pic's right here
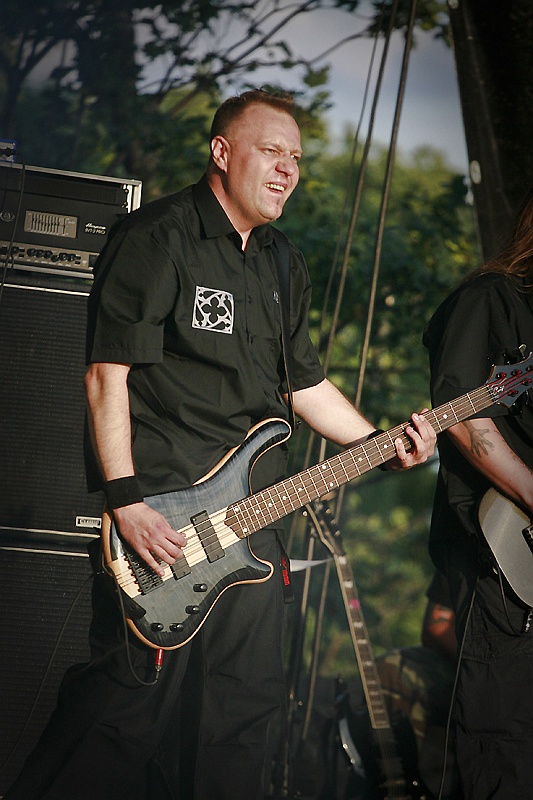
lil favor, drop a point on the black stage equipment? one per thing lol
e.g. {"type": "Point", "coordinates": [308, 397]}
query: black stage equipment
{"type": "Point", "coordinates": [53, 224]}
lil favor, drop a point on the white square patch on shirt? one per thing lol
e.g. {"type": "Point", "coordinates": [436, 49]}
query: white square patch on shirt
{"type": "Point", "coordinates": [213, 310]}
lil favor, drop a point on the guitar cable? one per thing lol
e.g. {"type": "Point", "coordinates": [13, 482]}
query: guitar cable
{"type": "Point", "coordinates": [452, 698]}
{"type": "Point", "coordinates": [159, 654]}
{"type": "Point", "coordinates": [104, 570]}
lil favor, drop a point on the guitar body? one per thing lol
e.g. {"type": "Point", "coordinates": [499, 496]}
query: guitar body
{"type": "Point", "coordinates": [507, 530]}
{"type": "Point", "coordinates": [167, 612]}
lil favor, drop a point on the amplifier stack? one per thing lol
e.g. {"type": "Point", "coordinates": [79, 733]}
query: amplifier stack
{"type": "Point", "coordinates": [53, 224]}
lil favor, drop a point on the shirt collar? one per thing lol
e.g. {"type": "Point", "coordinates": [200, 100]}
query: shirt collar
{"type": "Point", "coordinates": [214, 219]}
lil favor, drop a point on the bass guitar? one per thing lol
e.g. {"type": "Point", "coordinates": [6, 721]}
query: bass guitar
{"type": "Point", "coordinates": [218, 515]}
{"type": "Point", "coordinates": [392, 775]}
{"type": "Point", "coordinates": [508, 531]}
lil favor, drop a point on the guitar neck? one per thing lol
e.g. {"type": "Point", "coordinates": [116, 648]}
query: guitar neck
{"type": "Point", "coordinates": [383, 733]}
{"type": "Point", "coordinates": [271, 504]}
{"type": "Point", "coordinates": [379, 718]}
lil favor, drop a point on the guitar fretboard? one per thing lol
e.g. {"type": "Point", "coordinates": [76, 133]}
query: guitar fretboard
{"type": "Point", "coordinates": [258, 510]}
{"type": "Point", "coordinates": [379, 717]}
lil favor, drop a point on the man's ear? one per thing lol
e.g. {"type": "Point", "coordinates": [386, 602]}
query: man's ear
{"type": "Point", "coordinates": [219, 152]}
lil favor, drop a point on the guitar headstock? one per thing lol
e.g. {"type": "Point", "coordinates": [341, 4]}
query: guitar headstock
{"type": "Point", "coordinates": [508, 382]}
{"type": "Point", "coordinates": [326, 526]}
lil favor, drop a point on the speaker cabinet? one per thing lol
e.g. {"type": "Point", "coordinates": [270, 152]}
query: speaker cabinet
{"type": "Point", "coordinates": [44, 622]}
{"type": "Point", "coordinates": [42, 410]}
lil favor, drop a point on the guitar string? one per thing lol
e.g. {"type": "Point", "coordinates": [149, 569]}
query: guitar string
{"type": "Point", "coordinates": [196, 549]}
{"type": "Point", "coordinates": [251, 522]}
{"type": "Point", "coordinates": [295, 491]}
{"type": "Point", "coordinates": [327, 478]}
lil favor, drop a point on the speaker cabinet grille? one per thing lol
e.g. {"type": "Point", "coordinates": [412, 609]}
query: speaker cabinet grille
{"type": "Point", "coordinates": [42, 410]}
{"type": "Point", "coordinates": [44, 618]}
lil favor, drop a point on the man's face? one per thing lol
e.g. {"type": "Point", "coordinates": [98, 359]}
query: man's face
{"type": "Point", "coordinates": [260, 161]}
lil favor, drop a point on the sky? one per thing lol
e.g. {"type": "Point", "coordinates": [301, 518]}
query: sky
{"type": "Point", "coordinates": [431, 113]}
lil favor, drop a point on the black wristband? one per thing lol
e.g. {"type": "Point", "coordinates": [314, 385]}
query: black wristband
{"type": "Point", "coordinates": [377, 432]}
{"type": "Point", "coordinates": [123, 492]}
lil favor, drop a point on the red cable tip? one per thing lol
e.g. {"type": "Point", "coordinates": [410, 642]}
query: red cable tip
{"type": "Point", "coordinates": [159, 659]}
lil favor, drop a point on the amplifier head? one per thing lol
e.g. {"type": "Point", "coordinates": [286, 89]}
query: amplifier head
{"type": "Point", "coordinates": [57, 222]}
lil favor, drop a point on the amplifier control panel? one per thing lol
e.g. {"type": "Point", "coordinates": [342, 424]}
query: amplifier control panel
{"type": "Point", "coordinates": [45, 259]}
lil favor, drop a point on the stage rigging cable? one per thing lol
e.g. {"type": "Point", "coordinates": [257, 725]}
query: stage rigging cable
{"type": "Point", "coordinates": [298, 637]}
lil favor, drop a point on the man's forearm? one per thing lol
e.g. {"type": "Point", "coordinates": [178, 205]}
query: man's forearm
{"type": "Point", "coordinates": [328, 412]}
{"type": "Point", "coordinates": [109, 418]}
{"type": "Point", "coordinates": [482, 444]}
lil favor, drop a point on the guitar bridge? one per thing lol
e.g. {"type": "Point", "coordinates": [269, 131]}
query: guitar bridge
{"type": "Point", "coordinates": [147, 579]}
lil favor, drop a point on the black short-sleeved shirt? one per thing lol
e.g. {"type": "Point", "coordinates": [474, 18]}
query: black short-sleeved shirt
{"type": "Point", "coordinates": [199, 321]}
{"type": "Point", "coordinates": [481, 324]}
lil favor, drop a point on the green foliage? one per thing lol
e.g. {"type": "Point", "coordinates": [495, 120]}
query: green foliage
{"type": "Point", "coordinates": [429, 245]}
{"type": "Point", "coordinates": [384, 522]}
{"type": "Point", "coordinates": [430, 15]}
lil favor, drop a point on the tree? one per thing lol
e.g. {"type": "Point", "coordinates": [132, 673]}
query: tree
{"type": "Point", "coordinates": [102, 87]}
{"type": "Point", "coordinates": [429, 245]}
{"type": "Point", "coordinates": [119, 62]}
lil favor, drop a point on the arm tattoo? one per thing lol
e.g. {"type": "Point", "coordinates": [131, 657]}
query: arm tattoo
{"type": "Point", "coordinates": [480, 444]}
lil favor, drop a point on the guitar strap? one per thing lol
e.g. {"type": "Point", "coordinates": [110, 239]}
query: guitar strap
{"type": "Point", "coordinates": [281, 254]}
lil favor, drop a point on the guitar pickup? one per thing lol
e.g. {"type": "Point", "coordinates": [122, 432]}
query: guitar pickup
{"type": "Point", "coordinates": [208, 537]}
{"type": "Point", "coordinates": [180, 568]}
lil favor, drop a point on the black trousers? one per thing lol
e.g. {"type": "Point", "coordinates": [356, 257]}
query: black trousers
{"type": "Point", "coordinates": [494, 705]}
{"type": "Point", "coordinates": [199, 733]}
